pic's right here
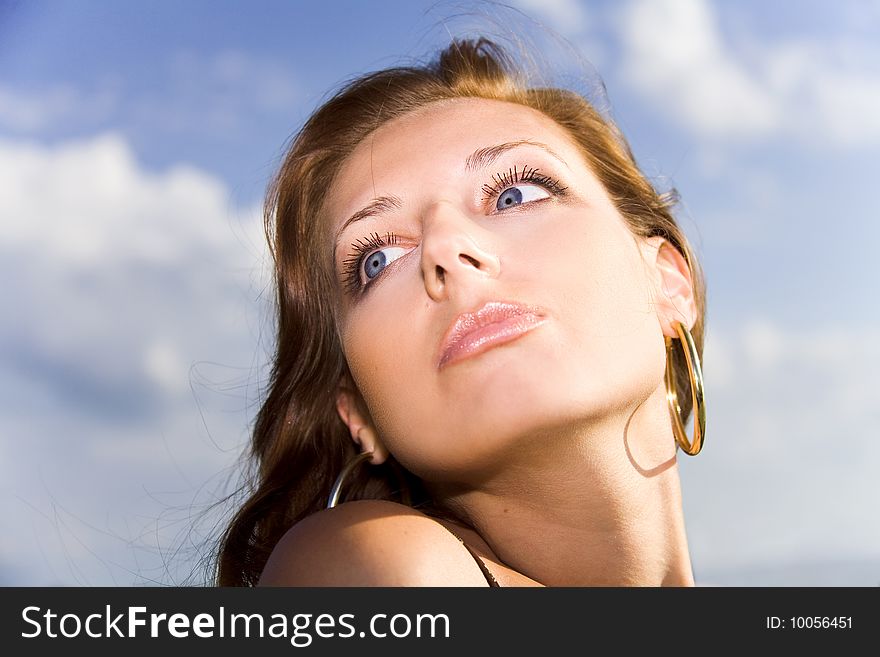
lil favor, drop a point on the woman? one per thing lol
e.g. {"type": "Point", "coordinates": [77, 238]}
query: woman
{"type": "Point", "coordinates": [480, 298]}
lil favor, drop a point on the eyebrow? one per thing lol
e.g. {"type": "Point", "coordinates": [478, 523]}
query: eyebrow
{"type": "Point", "coordinates": [375, 207]}
{"type": "Point", "coordinates": [483, 157]}
{"type": "Point", "coordinates": [476, 161]}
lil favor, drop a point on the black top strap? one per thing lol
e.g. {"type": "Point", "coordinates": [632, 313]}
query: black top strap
{"type": "Point", "coordinates": [488, 575]}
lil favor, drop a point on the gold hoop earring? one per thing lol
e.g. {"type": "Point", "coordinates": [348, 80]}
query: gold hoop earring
{"type": "Point", "coordinates": [695, 374]}
{"type": "Point", "coordinates": [337, 485]}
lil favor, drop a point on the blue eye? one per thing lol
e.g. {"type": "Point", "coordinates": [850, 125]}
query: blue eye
{"type": "Point", "coordinates": [376, 261]}
{"type": "Point", "coordinates": [519, 194]}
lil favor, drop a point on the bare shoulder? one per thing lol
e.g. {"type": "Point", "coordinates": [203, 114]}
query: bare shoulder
{"type": "Point", "coordinates": [370, 543]}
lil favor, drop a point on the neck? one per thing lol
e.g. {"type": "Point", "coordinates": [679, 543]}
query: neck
{"type": "Point", "coordinates": [601, 507]}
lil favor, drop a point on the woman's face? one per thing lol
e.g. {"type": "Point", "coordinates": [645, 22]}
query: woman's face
{"type": "Point", "coordinates": [473, 202]}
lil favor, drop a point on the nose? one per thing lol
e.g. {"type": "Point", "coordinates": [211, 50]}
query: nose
{"type": "Point", "coordinates": [450, 255]}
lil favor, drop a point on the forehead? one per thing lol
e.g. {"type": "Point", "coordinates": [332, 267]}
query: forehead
{"type": "Point", "coordinates": [436, 138]}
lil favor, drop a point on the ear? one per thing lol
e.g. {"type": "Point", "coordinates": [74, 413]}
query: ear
{"type": "Point", "coordinates": [353, 411]}
{"type": "Point", "coordinates": [674, 298]}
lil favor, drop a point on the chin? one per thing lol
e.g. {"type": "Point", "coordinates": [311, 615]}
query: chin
{"type": "Point", "coordinates": [512, 382]}
{"type": "Point", "coordinates": [552, 388]}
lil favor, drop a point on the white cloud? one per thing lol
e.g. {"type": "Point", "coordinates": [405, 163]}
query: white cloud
{"type": "Point", "coordinates": [165, 365]}
{"type": "Point", "coordinates": [103, 206]}
{"type": "Point", "coordinates": [674, 53]}
{"type": "Point", "coordinates": [209, 93]}
{"type": "Point", "coordinates": [222, 92]}
{"type": "Point", "coordinates": [129, 357]}
{"type": "Point", "coordinates": [567, 16]}
{"type": "Point", "coordinates": [271, 85]}
{"type": "Point", "coordinates": [787, 471]}
{"type": "Point", "coordinates": [821, 91]}
{"type": "Point", "coordinates": [540, 42]}
{"type": "Point", "coordinates": [32, 112]}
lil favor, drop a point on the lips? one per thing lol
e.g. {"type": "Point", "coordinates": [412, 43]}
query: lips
{"type": "Point", "coordinates": [494, 324]}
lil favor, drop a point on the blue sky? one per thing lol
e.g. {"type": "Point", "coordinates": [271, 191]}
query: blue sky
{"type": "Point", "coordinates": [135, 144]}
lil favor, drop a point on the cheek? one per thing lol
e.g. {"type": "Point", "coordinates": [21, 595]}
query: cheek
{"type": "Point", "coordinates": [385, 355]}
{"type": "Point", "coordinates": [370, 349]}
{"type": "Point", "coordinates": [588, 271]}
{"type": "Point", "coordinates": [598, 265]}
{"type": "Point", "coordinates": [600, 287]}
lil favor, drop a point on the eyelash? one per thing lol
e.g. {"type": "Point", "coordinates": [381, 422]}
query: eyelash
{"type": "Point", "coordinates": [528, 174]}
{"type": "Point", "coordinates": [351, 266]}
{"type": "Point", "coordinates": [500, 182]}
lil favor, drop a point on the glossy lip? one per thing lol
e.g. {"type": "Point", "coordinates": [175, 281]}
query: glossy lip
{"type": "Point", "coordinates": [495, 323]}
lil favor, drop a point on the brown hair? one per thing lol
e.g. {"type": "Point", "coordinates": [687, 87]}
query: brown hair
{"type": "Point", "coordinates": [299, 442]}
